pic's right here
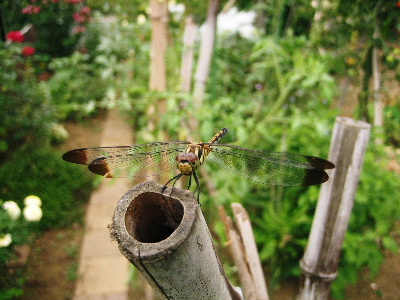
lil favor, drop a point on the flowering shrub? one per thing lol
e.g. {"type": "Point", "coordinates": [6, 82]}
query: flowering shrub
{"type": "Point", "coordinates": [57, 24]}
{"type": "Point", "coordinates": [26, 112]}
{"type": "Point", "coordinates": [18, 37]}
{"type": "Point", "coordinates": [15, 230]}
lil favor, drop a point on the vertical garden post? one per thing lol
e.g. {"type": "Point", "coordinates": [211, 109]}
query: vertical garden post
{"type": "Point", "coordinates": [320, 261]}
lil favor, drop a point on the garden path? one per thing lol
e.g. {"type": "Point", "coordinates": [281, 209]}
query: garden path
{"type": "Point", "coordinates": [103, 270]}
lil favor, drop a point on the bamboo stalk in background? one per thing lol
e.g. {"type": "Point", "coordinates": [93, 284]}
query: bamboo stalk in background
{"type": "Point", "coordinates": [189, 37]}
{"type": "Point", "coordinates": [245, 254]}
{"type": "Point", "coordinates": [206, 51]}
{"type": "Point", "coordinates": [158, 70]}
{"type": "Point", "coordinates": [321, 258]}
{"type": "Point", "coordinates": [376, 76]}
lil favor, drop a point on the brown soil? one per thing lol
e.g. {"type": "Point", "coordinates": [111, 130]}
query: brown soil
{"type": "Point", "coordinates": [54, 256]}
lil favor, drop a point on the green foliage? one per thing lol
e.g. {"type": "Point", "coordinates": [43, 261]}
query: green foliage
{"type": "Point", "coordinates": [26, 113]}
{"type": "Point", "coordinates": [291, 74]}
{"type": "Point", "coordinates": [392, 124]}
{"type": "Point", "coordinates": [76, 87]}
{"type": "Point", "coordinates": [63, 187]}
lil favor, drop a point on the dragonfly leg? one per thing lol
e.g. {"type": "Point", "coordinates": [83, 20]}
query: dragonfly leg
{"type": "Point", "coordinates": [175, 179]}
{"type": "Point", "coordinates": [190, 182]}
{"type": "Point", "coordinates": [197, 186]}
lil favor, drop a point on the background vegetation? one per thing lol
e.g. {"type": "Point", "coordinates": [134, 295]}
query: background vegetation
{"type": "Point", "coordinates": [278, 90]}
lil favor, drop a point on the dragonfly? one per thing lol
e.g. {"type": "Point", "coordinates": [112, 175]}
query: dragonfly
{"type": "Point", "coordinates": [272, 168]}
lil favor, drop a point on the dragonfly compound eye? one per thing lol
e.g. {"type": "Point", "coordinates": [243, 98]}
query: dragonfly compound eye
{"type": "Point", "coordinates": [189, 157]}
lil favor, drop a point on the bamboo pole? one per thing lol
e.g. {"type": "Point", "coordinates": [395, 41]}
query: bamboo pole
{"type": "Point", "coordinates": [377, 83]}
{"type": "Point", "coordinates": [321, 258]}
{"type": "Point", "coordinates": [189, 37]}
{"type": "Point", "coordinates": [206, 50]}
{"type": "Point", "coordinates": [165, 236]}
{"type": "Point", "coordinates": [245, 254]}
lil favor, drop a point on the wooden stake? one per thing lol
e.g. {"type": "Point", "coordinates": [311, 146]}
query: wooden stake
{"type": "Point", "coordinates": [320, 261]}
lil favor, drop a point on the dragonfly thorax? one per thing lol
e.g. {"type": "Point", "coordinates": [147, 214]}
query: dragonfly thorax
{"type": "Point", "coordinates": [187, 162]}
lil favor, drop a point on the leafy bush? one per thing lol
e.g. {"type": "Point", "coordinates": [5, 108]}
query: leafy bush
{"type": "Point", "coordinates": [76, 87]}
{"type": "Point", "coordinates": [392, 124]}
{"type": "Point", "coordinates": [26, 113]}
{"type": "Point", "coordinates": [62, 187]}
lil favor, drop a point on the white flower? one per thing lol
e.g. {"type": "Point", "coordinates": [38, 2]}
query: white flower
{"type": "Point", "coordinates": [32, 213]}
{"type": "Point", "coordinates": [5, 240]}
{"type": "Point", "coordinates": [141, 19]}
{"type": "Point", "coordinates": [12, 208]}
{"type": "Point", "coordinates": [32, 200]}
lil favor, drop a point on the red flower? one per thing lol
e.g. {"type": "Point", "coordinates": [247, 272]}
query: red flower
{"type": "Point", "coordinates": [30, 9]}
{"type": "Point", "coordinates": [398, 4]}
{"type": "Point", "coordinates": [73, 1]}
{"type": "Point", "coordinates": [15, 36]}
{"type": "Point", "coordinates": [28, 51]}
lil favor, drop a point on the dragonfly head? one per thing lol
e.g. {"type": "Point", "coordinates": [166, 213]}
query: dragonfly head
{"type": "Point", "coordinates": [187, 162]}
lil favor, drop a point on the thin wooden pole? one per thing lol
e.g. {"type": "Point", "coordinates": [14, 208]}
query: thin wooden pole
{"type": "Point", "coordinates": [206, 50]}
{"type": "Point", "coordinates": [189, 38]}
{"type": "Point", "coordinates": [321, 258]}
{"type": "Point", "coordinates": [245, 229]}
{"type": "Point", "coordinates": [166, 237]}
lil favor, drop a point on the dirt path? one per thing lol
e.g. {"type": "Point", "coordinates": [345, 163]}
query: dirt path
{"type": "Point", "coordinates": [103, 271]}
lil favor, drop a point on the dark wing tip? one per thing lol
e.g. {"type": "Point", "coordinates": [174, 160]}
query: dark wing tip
{"type": "Point", "coordinates": [315, 177]}
{"type": "Point", "coordinates": [77, 156]}
{"type": "Point", "coordinates": [329, 165]}
{"type": "Point", "coordinates": [100, 166]}
{"type": "Point", "coordinates": [320, 163]}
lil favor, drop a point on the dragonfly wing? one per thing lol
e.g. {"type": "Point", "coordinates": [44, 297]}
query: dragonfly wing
{"type": "Point", "coordinates": [128, 161]}
{"type": "Point", "coordinates": [272, 168]}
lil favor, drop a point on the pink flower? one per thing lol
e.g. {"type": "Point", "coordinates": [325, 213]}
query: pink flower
{"type": "Point", "coordinates": [15, 36]}
{"type": "Point", "coordinates": [85, 10]}
{"type": "Point", "coordinates": [31, 9]}
{"type": "Point", "coordinates": [73, 1]}
{"type": "Point", "coordinates": [28, 51]}
{"type": "Point", "coordinates": [79, 29]}
{"type": "Point", "coordinates": [79, 18]}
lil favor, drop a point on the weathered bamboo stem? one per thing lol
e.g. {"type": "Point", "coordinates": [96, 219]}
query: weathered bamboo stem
{"type": "Point", "coordinates": [245, 229]}
{"type": "Point", "coordinates": [206, 50]}
{"type": "Point", "coordinates": [244, 251]}
{"type": "Point", "coordinates": [165, 236]}
{"type": "Point", "coordinates": [189, 37]}
{"type": "Point", "coordinates": [321, 258]}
